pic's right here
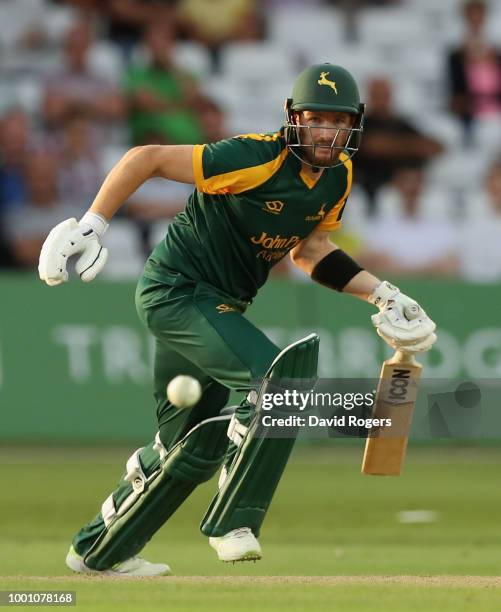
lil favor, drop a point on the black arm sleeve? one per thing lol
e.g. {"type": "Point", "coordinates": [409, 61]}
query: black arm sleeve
{"type": "Point", "coordinates": [335, 270]}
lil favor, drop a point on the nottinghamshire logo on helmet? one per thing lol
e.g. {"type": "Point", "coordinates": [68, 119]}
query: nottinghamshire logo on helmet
{"type": "Point", "coordinates": [323, 80]}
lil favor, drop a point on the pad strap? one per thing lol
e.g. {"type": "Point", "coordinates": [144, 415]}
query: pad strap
{"type": "Point", "coordinates": [96, 221]}
{"type": "Point", "coordinates": [108, 510]}
{"type": "Point", "coordinates": [135, 474]}
{"type": "Point", "coordinates": [160, 448]}
{"type": "Point", "coordinates": [236, 431]}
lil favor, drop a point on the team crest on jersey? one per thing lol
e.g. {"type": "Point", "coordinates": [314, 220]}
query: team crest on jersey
{"type": "Point", "coordinates": [274, 207]}
{"type": "Point", "coordinates": [323, 80]}
{"type": "Point", "coordinates": [319, 216]}
{"type": "Point", "coordinates": [225, 308]}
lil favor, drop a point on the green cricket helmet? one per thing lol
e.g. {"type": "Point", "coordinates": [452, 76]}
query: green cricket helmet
{"type": "Point", "coordinates": [323, 87]}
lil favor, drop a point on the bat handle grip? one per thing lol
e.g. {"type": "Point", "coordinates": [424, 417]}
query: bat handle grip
{"type": "Point", "coordinates": [402, 356]}
{"type": "Point", "coordinates": [411, 312]}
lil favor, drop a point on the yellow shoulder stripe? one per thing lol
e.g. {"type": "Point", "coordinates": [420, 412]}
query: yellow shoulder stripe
{"type": "Point", "coordinates": [331, 221]}
{"type": "Point", "coordinates": [237, 180]}
{"type": "Point", "coordinates": [266, 137]}
{"type": "Point", "coordinates": [198, 174]}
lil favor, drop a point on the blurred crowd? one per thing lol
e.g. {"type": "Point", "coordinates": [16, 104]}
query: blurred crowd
{"type": "Point", "coordinates": [83, 80]}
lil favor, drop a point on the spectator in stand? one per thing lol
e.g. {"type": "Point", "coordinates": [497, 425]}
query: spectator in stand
{"type": "Point", "coordinates": [27, 226]}
{"type": "Point", "coordinates": [389, 142]}
{"type": "Point", "coordinates": [80, 173]}
{"type": "Point", "coordinates": [212, 120]}
{"type": "Point", "coordinates": [26, 28]}
{"type": "Point", "coordinates": [163, 100]}
{"type": "Point", "coordinates": [14, 143]}
{"type": "Point", "coordinates": [76, 89]}
{"type": "Point", "coordinates": [213, 23]}
{"type": "Point", "coordinates": [410, 242]}
{"type": "Point", "coordinates": [480, 253]}
{"type": "Point", "coordinates": [352, 8]}
{"type": "Point", "coordinates": [474, 71]}
{"type": "Point", "coordinates": [125, 20]}
{"type": "Point", "coordinates": [128, 18]}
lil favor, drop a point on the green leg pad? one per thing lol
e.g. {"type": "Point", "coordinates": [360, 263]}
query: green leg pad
{"type": "Point", "coordinates": [133, 519]}
{"type": "Point", "coordinates": [246, 493]}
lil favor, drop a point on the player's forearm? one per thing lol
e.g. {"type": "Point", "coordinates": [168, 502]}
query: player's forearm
{"type": "Point", "coordinates": [329, 265]}
{"type": "Point", "coordinates": [362, 285]}
{"type": "Point", "coordinates": [135, 167]}
{"type": "Point", "coordinates": [310, 253]}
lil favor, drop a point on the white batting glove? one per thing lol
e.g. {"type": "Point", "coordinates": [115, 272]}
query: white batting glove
{"type": "Point", "coordinates": [401, 321]}
{"type": "Point", "coordinates": [69, 238]}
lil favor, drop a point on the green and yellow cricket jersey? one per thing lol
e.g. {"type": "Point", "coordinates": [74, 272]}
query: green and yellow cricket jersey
{"type": "Point", "coordinates": [252, 205]}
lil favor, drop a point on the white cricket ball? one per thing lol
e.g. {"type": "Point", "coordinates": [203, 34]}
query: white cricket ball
{"type": "Point", "coordinates": [184, 391]}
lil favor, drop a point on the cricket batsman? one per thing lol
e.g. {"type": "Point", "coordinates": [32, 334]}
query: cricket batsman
{"type": "Point", "coordinates": [257, 199]}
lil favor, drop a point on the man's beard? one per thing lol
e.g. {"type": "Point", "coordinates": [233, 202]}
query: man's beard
{"type": "Point", "coordinates": [330, 156]}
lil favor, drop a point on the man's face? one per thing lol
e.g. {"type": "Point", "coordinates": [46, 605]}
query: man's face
{"type": "Point", "coordinates": [326, 129]}
{"type": "Point", "coordinates": [159, 40]}
{"type": "Point", "coordinates": [77, 44]}
{"type": "Point", "coordinates": [380, 96]}
{"type": "Point", "coordinates": [475, 14]}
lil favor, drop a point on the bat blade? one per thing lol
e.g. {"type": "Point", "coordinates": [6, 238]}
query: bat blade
{"type": "Point", "coordinates": [385, 447]}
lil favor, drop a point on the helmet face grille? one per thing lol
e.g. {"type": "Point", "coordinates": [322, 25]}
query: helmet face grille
{"type": "Point", "coordinates": [323, 87]}
{"type": "Point", "coordinates": [344, 140]}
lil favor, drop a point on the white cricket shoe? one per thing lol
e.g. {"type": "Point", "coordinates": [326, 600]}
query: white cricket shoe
{"type": "Point", "coordinates": [135, 566]}
{"type": "Point", "coordinates": [237, 545]}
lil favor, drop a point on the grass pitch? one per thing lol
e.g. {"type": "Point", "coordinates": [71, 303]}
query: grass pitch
{"type": "Point", "coordinates": [332, 539]}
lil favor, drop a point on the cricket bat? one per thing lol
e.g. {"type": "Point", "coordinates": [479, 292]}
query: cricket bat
{"type": "Point", "coordinates": [395, 398]}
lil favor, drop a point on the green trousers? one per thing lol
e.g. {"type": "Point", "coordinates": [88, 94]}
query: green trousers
{"type": "Point", "coordinates": [199, 331]}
